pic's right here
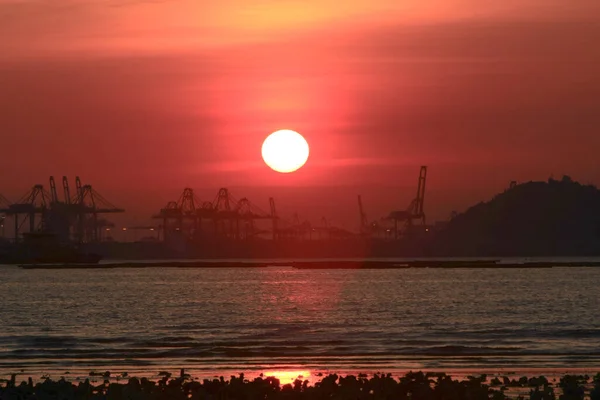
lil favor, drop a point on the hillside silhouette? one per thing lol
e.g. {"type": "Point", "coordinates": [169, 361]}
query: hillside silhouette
{"type": "Point", "coordinates": [553, 218]}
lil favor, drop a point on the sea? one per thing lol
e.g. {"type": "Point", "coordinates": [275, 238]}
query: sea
{"type": "Point", "coordinates": [290, 322]}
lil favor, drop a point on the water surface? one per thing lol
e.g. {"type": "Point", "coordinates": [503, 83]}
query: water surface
{"type": "Point", "coordinates": [238, 320]}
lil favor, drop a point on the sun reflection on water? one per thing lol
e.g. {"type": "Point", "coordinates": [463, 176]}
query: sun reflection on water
{"type": "Point", "coordinates": [288, 376]}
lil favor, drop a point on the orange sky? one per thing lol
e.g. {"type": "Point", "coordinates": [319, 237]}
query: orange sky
{"type": "Point", "coordinates": [141, 98]}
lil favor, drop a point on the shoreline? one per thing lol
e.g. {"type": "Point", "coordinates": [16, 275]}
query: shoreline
{"type": "Point", "coordinates": [323, 264]}
{"type": "Point", "coordinates": [285, 374]}
{"type": "Point", "coordinates": [418, 384]}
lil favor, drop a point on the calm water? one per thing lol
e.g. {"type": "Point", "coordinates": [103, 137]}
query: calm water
{"type": "Point", "coordinates": [242, 320]}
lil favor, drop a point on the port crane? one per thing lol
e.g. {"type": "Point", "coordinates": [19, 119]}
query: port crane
{"type": "Point", "coordinates": [366, 228]}
{"type": "Point", "coordinates": [89, 204]}
{"type": "Point", "coordinates": [294, 228]}
{"type": "Point", "coordinates": [230, 218]}
{"type": "Point", "coordinates": [235, 219]}
{"type": "Point", "coordinates": [274, 217]}
{"type": "Point", "coordinates": [43, 211]}
{"type": "Point", "coordinates": [364, 223]}
{"type": "Point", "coordinates": [184, 215]}
{"type": "Point", "coordinates": [247, 213]}
{"type": "Point", "coordinates": [4, 203]}
{"type": "Point", "coordinates": [26, 210]}
{"type": "Point", "coordinates": [4, 207]}
{"type": "Point", "coordinates": [415, 210]}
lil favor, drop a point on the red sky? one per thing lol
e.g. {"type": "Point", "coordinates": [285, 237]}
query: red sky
{"type": "Point", "coordinates": [142, 98]}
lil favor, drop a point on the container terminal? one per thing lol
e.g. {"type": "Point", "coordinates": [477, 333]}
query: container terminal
{"type": "Point", "coordinates": [76, 227]}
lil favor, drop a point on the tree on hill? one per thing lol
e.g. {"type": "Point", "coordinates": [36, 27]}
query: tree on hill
{"type": "Point", "coordinates": [530, 219]}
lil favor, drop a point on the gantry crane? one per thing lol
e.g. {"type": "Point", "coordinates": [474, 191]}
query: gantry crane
{"type": "Point", "coordinates": [46, 213]}
{"type": "Point", "coordinates": [230, 218]}
{"type": "Point", "coordinates": [88, 204]}
{"type": "Point", "coordinates": [247, 213]}
{"type": "Point", "coordinates": [224, 216]}
{"type": "Point", "coordinates": [73, 215]}
{"type": "Point", "coordinates": [274, 217]}
{"type": "Point", "coordinates": [294, 228]}
{"type": "Point", "coordinates": [61, 215]}
{"type": "Point", "coordinates": [183, 216]}
{"type": "Point", "coordinates": [366, 228]}
{"type": "Point", "coordinates": [4, 208]}
{"type": "Point", "coordinates": [363, 222]}
{"type": "Point", "coordinates": [32, 204]}
{"type": "Point", "coordinates": [415, 211]}
{"type": "Point", "coordinates": [229, 213]}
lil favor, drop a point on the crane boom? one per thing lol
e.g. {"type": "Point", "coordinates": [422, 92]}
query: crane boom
{"type": "Point", "coordinates": [53, 195]}
{"type": "Point", "coordinates": [420, 199]}
{"type": "Point", "coordinates": [362, 215]}
{"type": "Point", "coordinates": [66, 190]}
{"type": "Point", "coordinates": [78, 189]}
{"type": "Point", "coordinates": [273, 216]}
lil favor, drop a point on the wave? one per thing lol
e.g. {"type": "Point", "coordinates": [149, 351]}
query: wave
{"type": "Point", "coordinates": [412, 317]}
{"type": "Point", "coordinates": [295, 350]}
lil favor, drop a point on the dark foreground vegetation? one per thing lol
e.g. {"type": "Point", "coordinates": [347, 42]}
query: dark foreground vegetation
{"type": "Point", "coordinates": [414, 386]}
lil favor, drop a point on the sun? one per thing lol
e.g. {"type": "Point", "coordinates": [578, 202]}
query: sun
{"type": "Point", "coordinates": [285, 151]}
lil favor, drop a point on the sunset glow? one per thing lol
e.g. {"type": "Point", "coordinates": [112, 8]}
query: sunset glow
{"type": "Point", "coordinates": [479, 94]}
{"type": "Point", "coordinates": [299, 200]}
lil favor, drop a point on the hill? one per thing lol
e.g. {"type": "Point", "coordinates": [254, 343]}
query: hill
{"type": "Point", "coordinates": [554, 218]}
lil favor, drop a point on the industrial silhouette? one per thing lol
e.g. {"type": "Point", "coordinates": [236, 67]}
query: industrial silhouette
{"type": "Point", "coordinates": [536, 218]}
{"type": "Point", "coordinates": [75, 217]}
{"type": "Point", "coordinates": [78, 218]}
